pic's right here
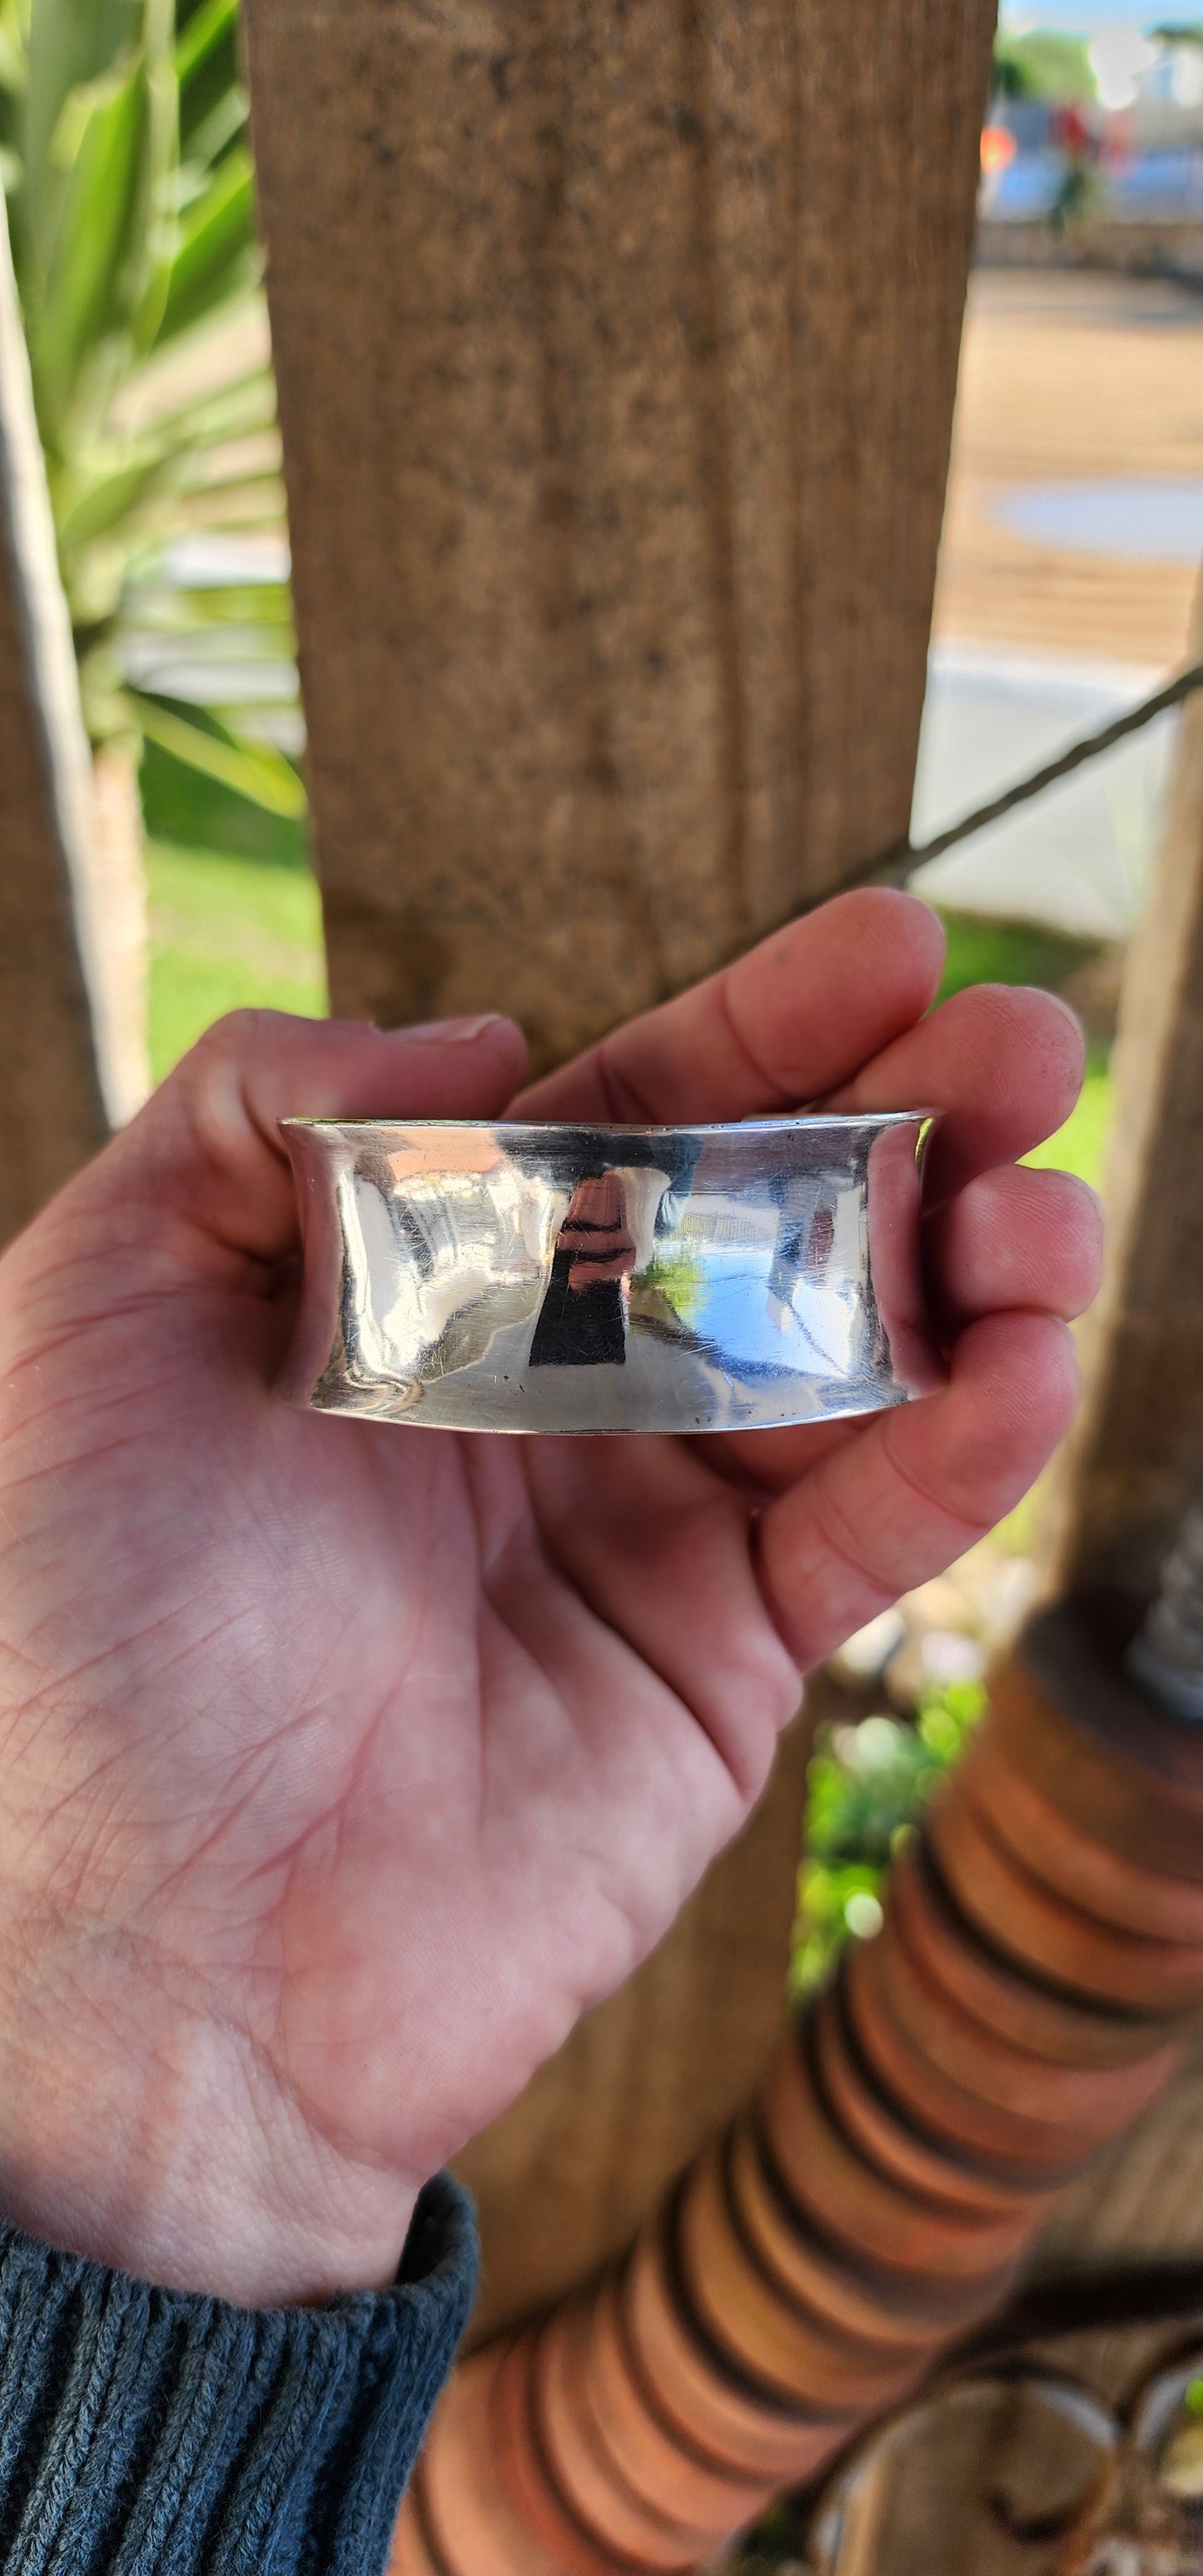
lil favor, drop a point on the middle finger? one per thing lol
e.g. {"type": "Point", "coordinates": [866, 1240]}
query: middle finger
{"type": "Point", "coordinates": [1016, 1239]}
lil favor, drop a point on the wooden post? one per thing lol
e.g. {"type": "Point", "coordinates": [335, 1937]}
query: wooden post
{"type": "Point", "coordinates": [616, 349]}
{"type": "Point", "coordinates": [1136, 1459]}
{"type": "Point", "coordinates": [56, 1042]}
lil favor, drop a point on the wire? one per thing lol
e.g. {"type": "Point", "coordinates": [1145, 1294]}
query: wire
{"type": "Point", "coordinates": [894, 865]}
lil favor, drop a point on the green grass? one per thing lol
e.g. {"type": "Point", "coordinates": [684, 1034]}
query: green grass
{"type": "Point", "coordinates": [234, 912]}
{"type": "Point", "coordinates": [981, 951]}
{"type": "Point", "coordinates": [226, 932]}
{"type": "Point", "coordinates": [1081, 1145]}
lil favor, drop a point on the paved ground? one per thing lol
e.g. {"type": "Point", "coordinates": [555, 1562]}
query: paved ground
{"type": "Point", "coordinates": [1081, 409]}
{"type": "Point", "coordinates": [1078, 858]}
{"type": "Point", "coordinates": [1067, 376]}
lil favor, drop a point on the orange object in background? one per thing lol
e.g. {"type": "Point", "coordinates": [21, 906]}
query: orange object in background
{"type": "Point", "coordinates": [998, 150]}
{"type": "Point", "coordinates": [1040, 1960]}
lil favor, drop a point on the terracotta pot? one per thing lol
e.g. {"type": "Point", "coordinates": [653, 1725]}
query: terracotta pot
{"type": "Point", "coordinates": [657, 2460]}
{"type": "Point", "coordinates": [583, 2471]}
{"type": "Point", "coordinates": [410, 2555]}
{"type": "Point", "coordinates": [1064, 2108]}
{"type": "Point", "coordinates": [1015, 2011]}
{"type": "Point", "coordinates": [881, 2129]}
{"type": "Point", "coordinates": [1069, 1858]}
{"type": "Point", "coordinates": [711, 2399]}
{"type": "Point", "coordinates": [773, 2333]}
{"type": "Point", "coordinates": [1040, 2157]}
{"type": "Point", "coordinates": [1095, 1747]}
{"type": "Point", "coordinates": [1000, 1992]}
{"type": "Point", "coordinates": [569, 2546]}
{"type": "Point", "coordinates": [460, 2498]}
{"type": "Point", "coordinates": [854, 2201]}
{"type": "Point", "coordinates": [993, 1886]}
{"type": "Point", "coordinates": [863, 2310]}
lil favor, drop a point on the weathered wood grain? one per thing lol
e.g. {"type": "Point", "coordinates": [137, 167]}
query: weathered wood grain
{"type": "Point", "coordinates": [616, 350]}
{"type": "Point", "coordinates": [1136, 1458]}
{"type": "Point", "coordinates": [50, 1071]}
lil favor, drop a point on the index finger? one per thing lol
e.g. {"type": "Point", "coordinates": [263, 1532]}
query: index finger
{"type": "Point", "coordinates": [795, 1017]}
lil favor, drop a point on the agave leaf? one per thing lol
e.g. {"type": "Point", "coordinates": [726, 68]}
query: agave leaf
{"type": "Point", "coordinates": [218, 253]}
{"type": "Point", "coordinates": [242, 508]}
{"type": "Point", "coordinates": [265, 605]}
{"type": "Point", "coordinates": [69, 45]}
{"type": "Point", "coordinates": [136, 222]}
{"type": "Point", "coordinates": [221, 656]}
{"type": "Point", "coordinates": [253, 770]}
{"type": "Point", "coordinates": [100, 216]}
{"type": "Point", "coordinates": [158, 213]}
{"type": "Point", "coordinates": [232, 410]}
{"type": "Point", "coordinates": [14, 68]}
{"type": "Point", "coordinates": [206, 478]}
{"type": "Point", "coordinates": [212, 134]}
{"type": "Point", "coordinates": [205, 31]}
{"type": "Point", "coordinates": [93, 495]}
{"type": "Point", "coordinates": [208, 76]}
{"type": "Point", "coordinates": [95, 236]}
{"type": "Point", "coordinates": [90, 508]}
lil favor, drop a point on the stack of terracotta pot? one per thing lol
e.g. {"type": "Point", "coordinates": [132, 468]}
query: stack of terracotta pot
{"type": "Point", "coordinates": [1042, 1948]}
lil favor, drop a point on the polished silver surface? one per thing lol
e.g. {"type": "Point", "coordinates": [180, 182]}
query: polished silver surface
{"type": "Point", "coordinates": [496, 1277]}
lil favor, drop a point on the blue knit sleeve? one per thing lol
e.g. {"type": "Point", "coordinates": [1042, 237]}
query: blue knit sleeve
{"type": "Point", "coordinates": [144, 2431]}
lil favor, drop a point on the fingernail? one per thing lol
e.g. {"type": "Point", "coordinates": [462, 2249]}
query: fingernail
{"type": "Point", "coordinates": [450, 1032]}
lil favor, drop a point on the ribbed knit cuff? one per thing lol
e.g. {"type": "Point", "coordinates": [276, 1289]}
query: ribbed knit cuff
{"type": "Point", "coordinates": [144, 2431]}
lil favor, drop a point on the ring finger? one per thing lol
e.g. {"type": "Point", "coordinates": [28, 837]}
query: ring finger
{"type": "Point", "coordinates": [1011, 1239]}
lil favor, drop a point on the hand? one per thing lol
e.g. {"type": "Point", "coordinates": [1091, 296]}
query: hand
{"type": "Point", "coordinates": [343, 1765]}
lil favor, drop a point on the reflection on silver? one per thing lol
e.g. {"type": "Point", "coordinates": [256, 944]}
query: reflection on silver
{"type": "Point", "coordinates": [489, 1277]}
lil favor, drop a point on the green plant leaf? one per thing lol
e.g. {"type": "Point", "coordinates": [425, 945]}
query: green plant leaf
{"type": "Point", "coordinates": [100, 218]}
{"type": "Point", "coordinates": [100, 139]}
{"type": "Point", "coordinates": [90, 508]}
{"type": "Point", "coordinates": [231, 410]}
{"type": "Point", "coordinates": [218, 252]}
{"type": "Point", "coordinates": [264, 605]}
{"type": "Point", "coordinates": [69, 45]}
{"type": "Point", "coordinates": [209, 137]}
{"type": "Point", "coordinates": [253, 770]}
{"type": "Point", "coordinates": [14, 66]}
{"type": "Point", "coordinates": [205, 31]}
{"type": "Point", "coordinates": [122, 245]}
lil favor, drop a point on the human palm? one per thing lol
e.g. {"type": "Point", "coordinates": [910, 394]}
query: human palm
{"type": "Point", "coordinates": [343, 1765]}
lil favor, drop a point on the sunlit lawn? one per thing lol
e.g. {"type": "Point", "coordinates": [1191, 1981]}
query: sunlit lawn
{"type": "Point", "coordinates": [999, 952]}
{"type": "Point", "coordinates": [224, 932]}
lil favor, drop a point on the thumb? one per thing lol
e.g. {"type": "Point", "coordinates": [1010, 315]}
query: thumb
{"type": "Point", "coordinates": [205, 1155]}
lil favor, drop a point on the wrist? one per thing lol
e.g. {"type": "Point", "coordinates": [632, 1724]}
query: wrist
{"type": "Point", "coordinates": [145, 2131]}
